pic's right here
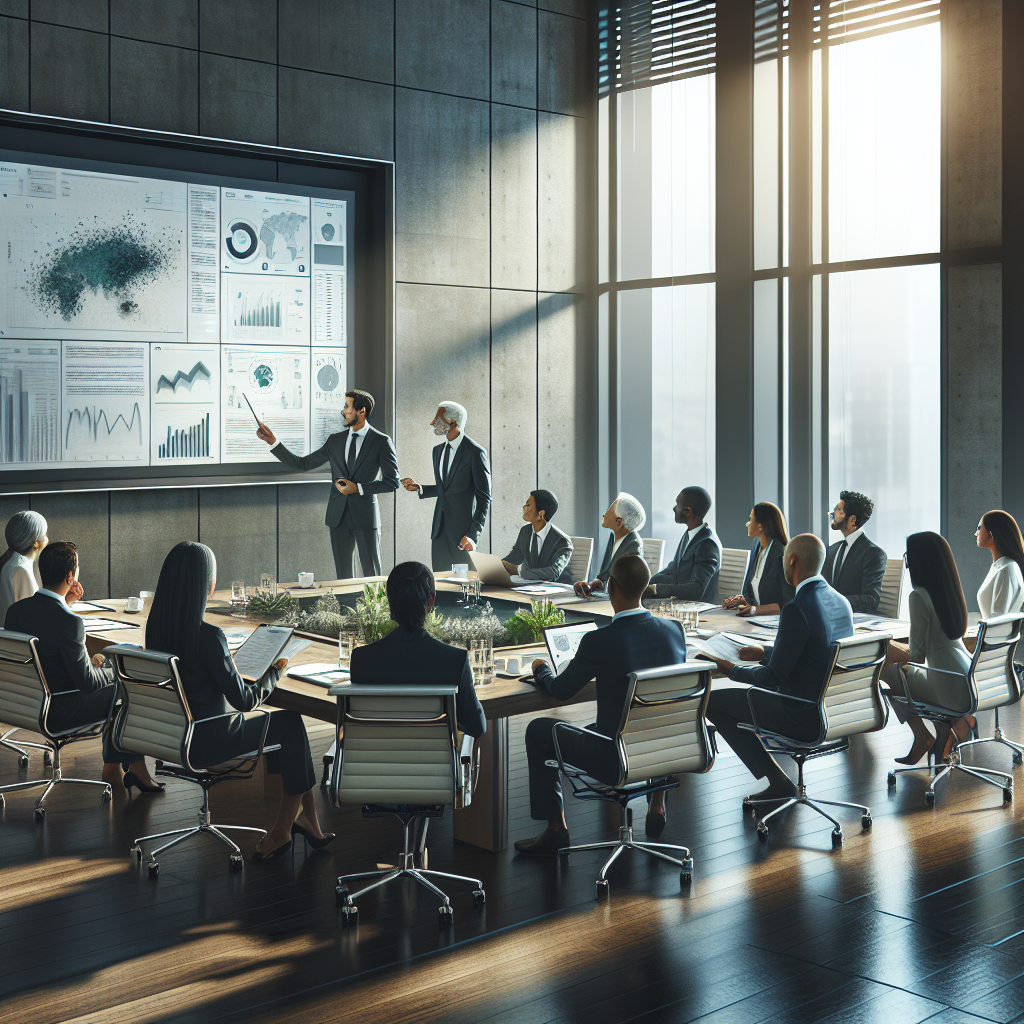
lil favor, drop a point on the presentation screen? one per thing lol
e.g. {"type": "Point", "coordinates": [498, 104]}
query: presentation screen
{"type": "Point", "coordinates": [141, 316]}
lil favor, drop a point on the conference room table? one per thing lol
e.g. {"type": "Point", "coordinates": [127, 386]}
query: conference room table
{"type": "Point", "coordinates": [485, 822]}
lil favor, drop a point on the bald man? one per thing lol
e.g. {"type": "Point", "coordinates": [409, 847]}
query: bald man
{"type": "Point", "coordinates": [796, 666]}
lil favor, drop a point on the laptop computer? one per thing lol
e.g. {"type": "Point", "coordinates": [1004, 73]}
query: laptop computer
{"type": "Point", "coordinates": [563, 641]}
{"type": "Point", "coordinates": [491, 569]}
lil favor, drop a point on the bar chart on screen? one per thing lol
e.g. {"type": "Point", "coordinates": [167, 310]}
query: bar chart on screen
{"type": "Point", "coordinates": [185, 392]}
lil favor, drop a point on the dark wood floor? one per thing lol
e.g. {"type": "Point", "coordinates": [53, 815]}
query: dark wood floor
{"type": "Point", "coordinates": [920, 919]}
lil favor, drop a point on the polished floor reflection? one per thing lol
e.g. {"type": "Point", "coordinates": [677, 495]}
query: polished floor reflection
{"type": "Point", "coordinates": [919, 919]}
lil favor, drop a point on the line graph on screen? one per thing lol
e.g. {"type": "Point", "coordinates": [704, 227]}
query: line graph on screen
{"type": "Point", "coordinates": [90, 429]}
{"type": "Point", "coordinates": [196, 381]}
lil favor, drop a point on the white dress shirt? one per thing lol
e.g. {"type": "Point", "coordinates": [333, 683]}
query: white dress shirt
{"type": "Point", "coordinates": [762, 561]}
{"type": "Point", "coordinates": [1002, 591]}
{"type": "Point", "coordinates": [541, 535]}
{"type": "Point", "coordinates": [17, 581]}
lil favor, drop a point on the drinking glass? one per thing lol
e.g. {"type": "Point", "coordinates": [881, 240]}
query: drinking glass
{"type": "Point", "coordinates": [237, 593]}
{"type": "Point", "coordinates": [689, 616]}
{"type": "Point", "coordinates": [481, 661]}
{"type": "Point", "coordinates": [268, 585]}
{"type": "Point", "coordinates": [346, 645]}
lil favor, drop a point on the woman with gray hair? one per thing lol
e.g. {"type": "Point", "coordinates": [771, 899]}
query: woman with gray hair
{"type": "Point", "coordinates": [25, 534]}
{"type": "Point", "coordinates": [625, 517]}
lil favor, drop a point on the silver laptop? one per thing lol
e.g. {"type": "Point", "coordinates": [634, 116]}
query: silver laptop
{"type": "Point", "coordinates": [563, 641]}
{"type": "Point", "coordinates": [491, 569]}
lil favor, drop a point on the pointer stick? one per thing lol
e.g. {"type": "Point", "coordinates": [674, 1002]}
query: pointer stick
{"type": "Point", "coordinates": [252, 410]}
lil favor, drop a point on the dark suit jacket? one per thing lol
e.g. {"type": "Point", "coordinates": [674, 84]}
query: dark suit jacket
{"type": "Point", "coordinates": [609, 654]}
{"type": "Point", "coordinates": [773, 588]}
{"type": "Point", "coordinates": [553, 558]}
{"type": "Point", "coordinates": [808, 626]}
{"type": "Point", "coordinates": [632, 544]}
{"type": "Point", "coordinates": [860, 575]}
{"type": "Point", "coordinates": [420, 659]}
{"type": "Point", "coordinates": [693, 574]}
{"type": "Point", "coordinates": [62, 652]}
{"type": "Point", "coordinates": [468, 483]}
{"type": "Point", "coordinates": [376, 469]}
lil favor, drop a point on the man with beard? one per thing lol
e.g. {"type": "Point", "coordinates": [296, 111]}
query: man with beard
{"type": "Point", "coordinates": [363, 464]}
{"type": "Point", "coordinates": [854, 565]}
{"type": "Point", "coordinates": [462, 487]}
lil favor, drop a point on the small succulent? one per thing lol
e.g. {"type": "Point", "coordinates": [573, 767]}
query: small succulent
{"type": "Point", "coordinates": [265, 606]}
{"type": "Point", "coordinates": [325, 618]}
{"type": "Point", "coordinates": [478, 623]}
{"type": "Point", "coordinates": [527, 627]}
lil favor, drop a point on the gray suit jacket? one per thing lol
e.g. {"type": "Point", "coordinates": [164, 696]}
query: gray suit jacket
{"type": "Point", "coordinates": [632, 544]}
{"type": "Point", "coordinates": [693, 574]}
{"type": "Point", "coordinates": [553, 558]}
{"type": "Point", "coordinates": [376, 469]}
{"type": "Point", "coordinates": [468, 484]}
{"type": "Point", "coordinates": [860, 575]}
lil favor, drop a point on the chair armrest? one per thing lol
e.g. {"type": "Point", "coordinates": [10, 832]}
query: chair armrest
{"type": "Point", "coordinates": [579, 730]}
{"type": "Point", "coordinates": [350, 690]}
{"type": "Point", "coordinates": [753, 692]}
{"type": "Point", "coordinates": [468, 768]}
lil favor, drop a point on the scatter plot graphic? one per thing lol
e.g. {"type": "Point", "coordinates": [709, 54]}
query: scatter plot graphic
{"type": "Point", "coordinates": [93, 257]}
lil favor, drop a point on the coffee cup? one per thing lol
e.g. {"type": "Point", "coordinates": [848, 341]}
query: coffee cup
{"type": "Point", "coordinates": [133, 604]}
{"type": "Point", "coordinates": [305, 579]}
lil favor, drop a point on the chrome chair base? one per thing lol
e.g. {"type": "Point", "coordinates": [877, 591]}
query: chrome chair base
{"type": "Point", "coordinates": [21, 752]}
{"type": "Point", "coordinates": [627, 842]}
{"type": "Point", "coordinates": [1001, 780]}
{"type": "Point", "coordinates": [996, 737]}
{"type": "Point", "coordinates": [407, 869]}
{"type": "Point", "coordinates": [56, 779]}
{"type": "Point", "coordinates": [803, 799]}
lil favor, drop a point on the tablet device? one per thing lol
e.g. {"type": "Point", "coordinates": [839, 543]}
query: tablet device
{"type": "Point", "coordinates": [563, 641]}
{"type": "Point", "coordinates": [262, 649]}
{"type": "Point", "coordinates": [491, 569]}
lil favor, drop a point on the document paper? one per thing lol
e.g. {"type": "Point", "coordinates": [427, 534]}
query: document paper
{"type": "Point", "coordinates": [261, 650]}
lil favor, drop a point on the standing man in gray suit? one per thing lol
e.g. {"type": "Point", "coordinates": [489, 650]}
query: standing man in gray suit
{"type": "Point", "coordinates": [854, 565]}
{"type": "Point", "coordinates": [462, 487]}
{"type": "Point", "coordinates": [363, 464]}
{"type": "Point", "coordinates": [693, 574]}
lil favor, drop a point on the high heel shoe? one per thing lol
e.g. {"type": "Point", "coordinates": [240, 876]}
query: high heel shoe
{"type": "Point", "coordinates": [972, 724]}
{"type": "Point", "coordinates": [131, 779]}
{"type": "Point", "coordinates": [259, 857]}
{"type": "Point", "coordinates": [912, 758]}
{"type": "Point", "coordinates": [317, 842]}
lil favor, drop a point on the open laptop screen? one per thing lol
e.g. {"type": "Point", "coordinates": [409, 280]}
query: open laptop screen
{"type": "Point", "coordinates": [563, 641]}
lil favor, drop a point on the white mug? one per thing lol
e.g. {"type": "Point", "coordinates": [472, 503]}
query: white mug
{"type": "Point", "coordinates": [305, 579]}
{"type": "Point", "coordinates": [133, 604]}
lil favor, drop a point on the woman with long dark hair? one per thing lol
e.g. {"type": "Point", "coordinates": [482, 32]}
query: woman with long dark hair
{"type": "Point", "coordinates": [1002, 591]}
{"type": "Point", "coordinates": [213, 688]}
{"type": "Point", "coordinates": [765, 589]}
{"type": "Point", "coordinates": [938, 620]}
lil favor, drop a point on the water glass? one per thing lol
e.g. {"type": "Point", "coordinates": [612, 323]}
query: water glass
{"type": "Point", "coordinates": [268, 584]}
{"type": "Point", "coordinates": [460, 570]}
{"type": "Point", "coordinates": [481, 661]}
{"type": "Point", "coordinates": [346, 645]}
{"type": "Point", "coordinates": [689, 616]}
{"type": "Point", "coordinates": [237, 593]}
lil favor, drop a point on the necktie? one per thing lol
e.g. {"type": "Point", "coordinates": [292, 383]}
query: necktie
{"type": "Point", "coordinates": [534, 554]}
{"type": "Point", "coordinates": [837, 568]}
{"type": "Point", "coordinates": [350, 455]}
{"type": "Point", "coordinates": [444, 464]}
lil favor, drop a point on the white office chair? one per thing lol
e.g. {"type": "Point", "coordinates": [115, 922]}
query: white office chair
{"type": "Point", "coordinates": [892, 589]}
{"type": "Point", "coordinates": [992, 681]}
{"type": "Point", "coordinates": [730, 576]}
{"type": "Point", "coordinates": [397, 755]}
{"type": "Point", "coordinates": [155, 720]}
{"type": "Point", "coordinates": [654, 554]}
{"type": "Point", "coordinates": [25, 700]}
{"type": "Point", "coordinates": [579, 563]}
{"type": "Point", "coordinates": [662, 734]}
{"type": "Point", "coordinates": [850, 703]}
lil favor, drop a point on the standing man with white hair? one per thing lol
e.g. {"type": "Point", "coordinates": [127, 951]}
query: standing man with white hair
{"type": "Point", "coordinates": [462, 487]}
{"type": "Point", "coordinates": [625, 517]}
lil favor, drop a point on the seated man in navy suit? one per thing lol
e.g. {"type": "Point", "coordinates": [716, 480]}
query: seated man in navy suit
{"type": "Point", "coordinates": [795, 667]}
{"type": "Point", "coordinates": [692, 575]}
{"type": "Point", "coordinates": [409, 654]}
{"type": "Point", "coordinates": [633, 640]}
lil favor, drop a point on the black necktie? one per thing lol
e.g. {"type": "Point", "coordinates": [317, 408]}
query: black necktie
{"type": "Point", "coordinates": [444, 464]}
{"type": "Point", "coordinates": [350, 455]}
{"type": "Point", "coordinates": [534, 554]}
{"type": "Point", "coordinates": [837, 568]}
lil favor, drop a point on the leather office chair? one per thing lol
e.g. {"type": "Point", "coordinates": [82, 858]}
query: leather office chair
{"type": "Point", "coordinates": [398, 755]}
{"type": "Point", "coordinates": [662, 733]}
{"type": "Point", "coordinates": [579, 561]}
{"type": "Point", "coordinates": [992, 681]}
{"type": "Point", "coordinates": [654, 554]}
{"type": "Point", "coordinates": [730, 576]}
{"type": "Point", "coordinates": [892, 589]}
{"type": "Point", "coordinates": [25, 699]}
{"type": "Point", "coordinates": [998, 682]}
{"type": "Point", "coordinates": [154, 720]}
{"type": "Point", "coordinates": [850, 703]}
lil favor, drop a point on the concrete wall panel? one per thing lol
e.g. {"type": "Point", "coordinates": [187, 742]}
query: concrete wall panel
{"type": "Point", "coordinates": [239, 28]}
{"type": "Point", "coordinates": [304, 542]}
{"type": "Point", "coordinates": [561, 216]}
{"type": "Point", "coordinates": [513, 54]}
{"type": "Point", "coordinates": [240, 525]}
{"type": "Point", "coordinates": [69, 73]}
{"type": "Point", "coordinates": [443, 45]}
{"type": "Point", "coordinates": [81, 519]}
{"type": "Point", "coordinates": [87, 14]}
{"type": "Point", "coordinates": [174, 22]}
{"type": "Point", "coordinates": [154, 86]}
{"type": "Point", "coordinates": [563, 82]}
{"type": "Point", "coordinates": [513, 197]}
{"type": "Point", "coordinates": [13, 63]}
{"type": "Point", "coordinates": [342, 37]}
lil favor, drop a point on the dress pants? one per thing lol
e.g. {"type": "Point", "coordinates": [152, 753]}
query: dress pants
{"type": "Point", "coordinates": [220, 739]}
{"type": "Point", "coordinates": [444, 553]}
{"type": "Point", "coordinates": [728, 706]}
{"type": "Point", "coordinates": [597, 757]}
{"type": "Point", "coordinates": [75, 710]}
{"type": "Point", "coordinates": [345, 542]}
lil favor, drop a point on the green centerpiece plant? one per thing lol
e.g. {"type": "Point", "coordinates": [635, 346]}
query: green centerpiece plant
{"type": "Point", "coordinates": [371, 616]}
{"type": "Point", "coordinates": [527, 627]}
{"type": "Point", "coordinates": [476, 623]}
{"type": "Point", "coordinates": [265, 607]}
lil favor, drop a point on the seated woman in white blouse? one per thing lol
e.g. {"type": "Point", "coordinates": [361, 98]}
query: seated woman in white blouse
{"type": "Point", "coordinates": [25, 534]}
{"type": "Point", "coordinates": [1002, 591]}
{"type": "Point", "coordinates": [764, 588]}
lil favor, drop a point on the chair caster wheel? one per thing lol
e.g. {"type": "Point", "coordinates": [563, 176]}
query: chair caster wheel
{"type": "Point", "coordinates": [1007, 794]}
{"type": "Point", "coordinates": [445, 915]}
{"type": "Point", "coordinates": [47, 759]}
{"type": "Point", "coordinates": [39, 813]}
{"type": "Point", "coordinates": [1017, 757]}
{"type": "Point", "coordinates": [2, 801]}
{"type": "Point", "coordinates": [236, 863]}
{"type": "Point", "coordinates": [154, 870]}
{"type": "Point", "coordinates": [136, 852]}
{"type": "Point", "coordinates": [602, 888]}
{"type": "Point", "coordinates": [865, 820]}
{"type": "Point", "coordinates": [106, 795]}
{"type": "Point", "coordinates": [891, 780]}
{"type": "Point", "coordinates": [837, 837]}
{"type": "Point", "coordinates": [929, 797]}
{"type": "Point", "coordinates": [762, 833]}
{"type": "Point", "coordinates": [686, 876]}
{"type": "Point", "coordinates": [479, 897]}
{"type": "Point", "coordinates": [349, 915]}
{"type": "Point", "coordinates": [23, 761]}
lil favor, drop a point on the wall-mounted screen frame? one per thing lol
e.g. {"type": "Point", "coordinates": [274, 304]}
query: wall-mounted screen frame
{"type": "Point", "coordinates": [91, 292]}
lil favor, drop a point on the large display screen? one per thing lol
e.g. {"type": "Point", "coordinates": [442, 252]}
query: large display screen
{"type": "Point", "coordinates": [137, 315]}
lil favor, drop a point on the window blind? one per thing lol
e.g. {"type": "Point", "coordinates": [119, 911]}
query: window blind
{"type": "Point", "coordinates": [849, 20]}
